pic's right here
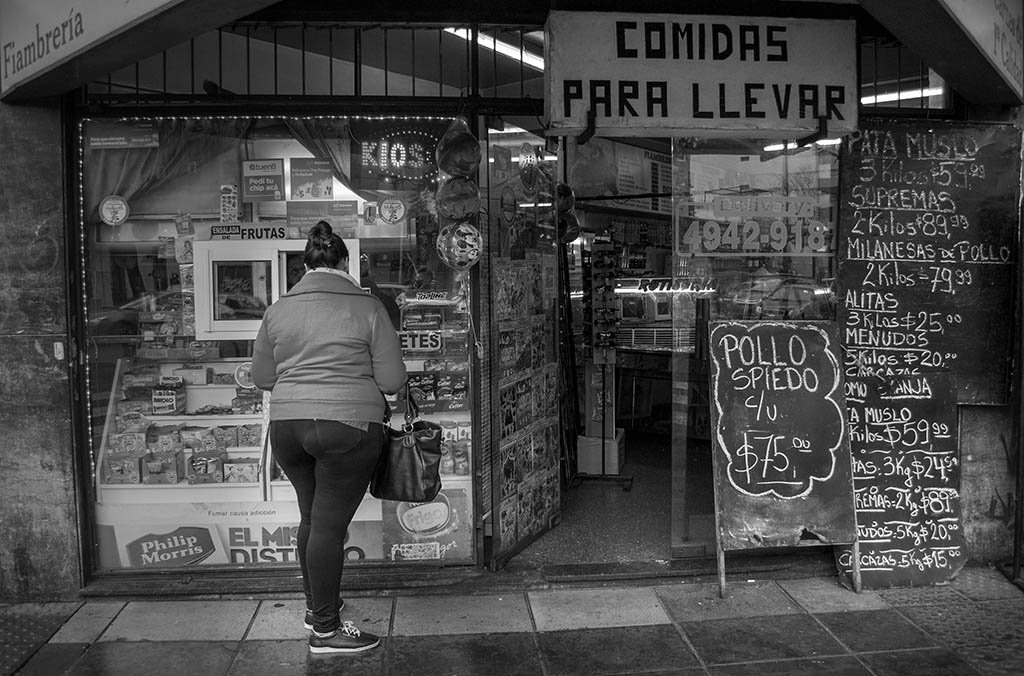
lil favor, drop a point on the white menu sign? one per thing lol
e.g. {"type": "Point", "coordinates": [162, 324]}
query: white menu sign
{"type": "Point", "coordinates": [637, 73]}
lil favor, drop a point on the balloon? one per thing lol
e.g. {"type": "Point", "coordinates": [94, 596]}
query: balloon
{"type": "Point", "coordinates": [529, 172]}
{"type": "Point", "coordinates": [458, 199]}
{"type": "Point", "coordinates": [458, 151]}
{"type": "Point", "coordinates": [565, 198]}
{"type": "Point", "coordinates": [568, 227]}
{"type": "Point", "coordinates": [458, 245]}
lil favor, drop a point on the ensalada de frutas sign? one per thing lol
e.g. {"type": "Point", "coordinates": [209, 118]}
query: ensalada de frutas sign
{"type": "Point", "coordinates": [641, 73]}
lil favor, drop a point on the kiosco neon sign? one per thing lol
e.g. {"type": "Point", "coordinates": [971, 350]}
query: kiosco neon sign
{"type": "Point", "coordinates": [403, 154]}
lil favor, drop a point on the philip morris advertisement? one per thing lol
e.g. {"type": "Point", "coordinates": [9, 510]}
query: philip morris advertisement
{"type": "Point", "coordinates": [182, 535]}
{"type": "Point", "coordinates": [638, 73]}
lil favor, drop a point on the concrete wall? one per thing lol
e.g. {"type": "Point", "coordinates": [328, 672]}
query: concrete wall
{"type": "Point", "coordinates": [988, 453]}
{"type": "Point", "coordinates": [988, 443]}
{"type": "Point", "coordinates": [39, 547]}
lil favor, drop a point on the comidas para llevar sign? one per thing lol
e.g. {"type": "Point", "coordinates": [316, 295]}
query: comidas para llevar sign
{"type": "Point", "coordinates": [641, 73]}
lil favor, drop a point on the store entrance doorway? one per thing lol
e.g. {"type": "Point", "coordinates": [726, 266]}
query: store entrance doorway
{"type": "Point", "coordinates": [677, 233]}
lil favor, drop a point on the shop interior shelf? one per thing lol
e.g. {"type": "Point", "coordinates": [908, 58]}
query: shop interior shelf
{"type": "Point", "coordinates": [209, 419]}
{"type": "Point", "coordinates": [179, 493]}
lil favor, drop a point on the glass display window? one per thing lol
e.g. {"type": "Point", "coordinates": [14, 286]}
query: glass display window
{"type": "Point", "coordinates": [192, 228]}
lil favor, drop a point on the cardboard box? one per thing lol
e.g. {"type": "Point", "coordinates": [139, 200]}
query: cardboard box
{"type": "Point", "coordinates": [206, 467]}
{"type": "Point", "coordinates": [168, 401]}
{"type": "Point", "coordinates": [124, 443]}
{"type": "Point", "coordinates": [194, 375]}
{"type": "Point", "coordinates": [241, 470]}
{"type": "Point", "coordinates": [227, 437]}
{"type": "Point", "coordinates": [250, 435]}
{"type": "Point", "coordinates": [120, 468]}
{"type": "Point", "coordinates": [163, 468]}
{"type": "Point", "coordinates": [588, 453]}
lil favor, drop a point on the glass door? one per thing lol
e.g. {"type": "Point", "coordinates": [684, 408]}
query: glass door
{"type": "Point", "coordinates": [754, 228]}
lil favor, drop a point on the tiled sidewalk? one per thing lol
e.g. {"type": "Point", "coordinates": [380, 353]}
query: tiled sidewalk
{"type": "Point", "coordinates": [807, 626]}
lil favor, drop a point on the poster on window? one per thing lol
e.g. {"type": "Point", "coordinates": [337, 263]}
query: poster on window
{"type": "Point", "coordinates": [201, 533]}
{"type": "Point", "coordinates": [311, 179]}
{"type": "Point", "coordinates": [440, 529]}
{"type": "Point", "coordinates": [262, 180]}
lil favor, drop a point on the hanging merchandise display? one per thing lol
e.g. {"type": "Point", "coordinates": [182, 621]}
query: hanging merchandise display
{"type": "Point", "coordinates": [458, 151]}
{"type": "Point", "coordinates": [565, 198]}
{"type": "Point", "coordinates": [458, 198]}
{"type": "Point", "coordinates": [458, 245]}
{"type": "Point", "coordinates": [565, 206]}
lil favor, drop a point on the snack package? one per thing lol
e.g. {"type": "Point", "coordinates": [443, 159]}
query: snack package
{"type": "Point", "coordinates": [206, 467]}
{"type": "Point", "coordinates": [456, 344]}
{"type": "Point", "coordinates": [192, 436]}
{"type": "Point", "coordinates": [141, 374]}
{"type": "Point", "coordinates": [443, 386]}
{"type": "Point", "coordinates": [121, 468]}
{"type": "Point", "coordinates": [434, 365]}
{"type": "Point", "coordinates": [227, 437]}
{"type": "Point", "coordinates": [194, 374]}
{"type": "Point", "coordinates": [250, 435]}
{"type": "Point", "coordinates": [134, 421]}
{"type": "Point", "coordinates": [163, 467]}
{"type": "Point", "coordinates": [223, 378]}
{"type": "Point", "coordinates": [460, 385]}
{"type": "Point", "coordinates": [163, 438]}
{"type": "Point", "coordinates": [127, 443]}
{"type": "Point", "coordinates": [422, 386]}
{"type": "Point", "coordinates": [202, 349]}
{"type": "Point", "coordinates": [241, 470]}
{"type": "Point", "coordinates": [460, 366]}
{"type": "Point", "coordinates": [247, 402]}
{"type": "Point", "coordinates": [168, 400]}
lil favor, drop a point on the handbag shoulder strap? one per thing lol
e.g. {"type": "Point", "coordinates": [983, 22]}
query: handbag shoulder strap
{"type": "Point", "coordinates": [412, 409]}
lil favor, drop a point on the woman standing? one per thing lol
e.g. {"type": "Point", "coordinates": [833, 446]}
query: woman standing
{"type": "Point", "coordinates": [327, 350]}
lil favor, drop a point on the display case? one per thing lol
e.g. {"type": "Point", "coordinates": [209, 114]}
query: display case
{"type": "Point", "coordinates": [182, 431]}
{"type": "Point", "coordinates": [240, 278]}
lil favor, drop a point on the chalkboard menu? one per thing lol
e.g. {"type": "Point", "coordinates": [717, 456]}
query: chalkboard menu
{"type": "Point", "coordinates": [906, 477]}
{"type": "Point", "coordinates": [781, 454]}
{"type": "Point", "coordinates": [927, 250]}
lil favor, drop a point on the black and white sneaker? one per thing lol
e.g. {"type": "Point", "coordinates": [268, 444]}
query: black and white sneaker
{"type": "Point", "coordinates": [345, 639]}
{"type": "Point", "coordinates": [307, 621]}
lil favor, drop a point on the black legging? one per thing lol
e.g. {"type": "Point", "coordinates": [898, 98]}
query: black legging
{"type": "Point", "coordinates": [329, 463]}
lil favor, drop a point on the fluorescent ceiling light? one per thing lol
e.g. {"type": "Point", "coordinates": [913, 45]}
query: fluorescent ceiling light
{"type": "Point", "coordinates": [780, 146]}
{"type": "Point", "coordinates": [509, 129]}
{"type": "Point", "coordinates": [901, 96]}
{"type": "Point", "coordinates": [776, 147]}
{"type": "Point", "coordinates": [503, 48]}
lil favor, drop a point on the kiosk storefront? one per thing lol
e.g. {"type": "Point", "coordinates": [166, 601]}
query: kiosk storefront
{"type": "Point", "coordinates": [192, 225]}
{"type": "Point", "coordinates": [705, 194]}
{"type": "Point", "coordinates": [713, 159]}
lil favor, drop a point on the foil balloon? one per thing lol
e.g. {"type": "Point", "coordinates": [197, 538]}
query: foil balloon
{"type": "Point", "coordinates": [529, 169]}
{"type": "Point", "coordinates": [565, 198]}
{"type": "Point", "coordinates": [458, 245]}
{"type": "Point", "coordinates": [458, 199]}
{"type": "Point", "coordinates": [568, 227]}
{"type": "Point", "coordinates": [458, 151]}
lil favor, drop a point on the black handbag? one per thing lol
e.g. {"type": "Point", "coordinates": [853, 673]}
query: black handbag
{"type": "Point", "coordinates": [409, 465]}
